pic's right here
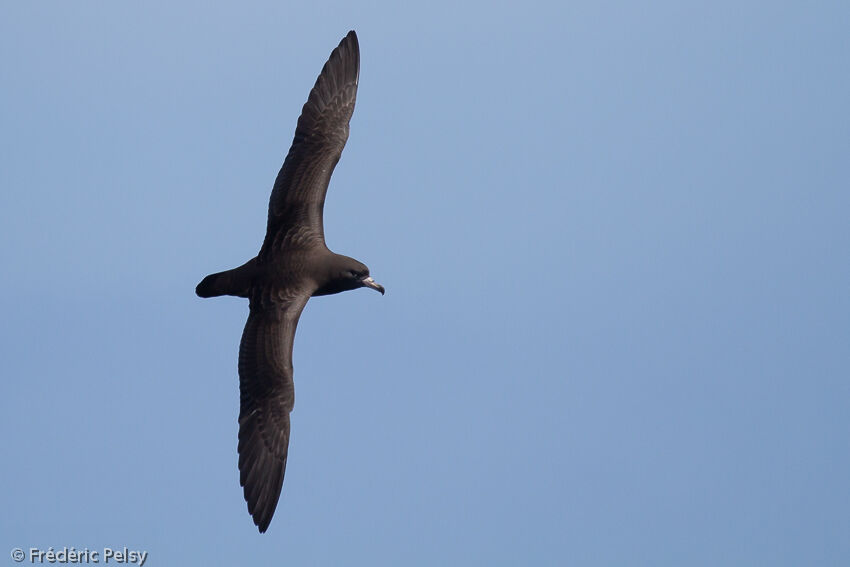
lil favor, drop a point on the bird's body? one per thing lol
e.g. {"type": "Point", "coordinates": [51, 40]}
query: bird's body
{"type": "Point", "coordinates": [293, 265]}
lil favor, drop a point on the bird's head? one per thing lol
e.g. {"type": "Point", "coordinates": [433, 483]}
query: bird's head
{"type": "Point", "coordinates": [347, 273]}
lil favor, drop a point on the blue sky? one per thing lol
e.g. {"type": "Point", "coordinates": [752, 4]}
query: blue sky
{"type": "Point", "coordinates": [615, 244]}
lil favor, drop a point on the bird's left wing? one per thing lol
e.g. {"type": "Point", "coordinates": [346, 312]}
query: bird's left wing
{"type": "Point", "coordinates": [298, 196]}
{"type": "Point", "coordinates": [267, 396]}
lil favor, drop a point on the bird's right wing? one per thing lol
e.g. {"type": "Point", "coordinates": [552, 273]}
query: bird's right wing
{"type": "Point", "coordinates": [298, 196]}
{"type": "Point", "coordinates": [267, 396]}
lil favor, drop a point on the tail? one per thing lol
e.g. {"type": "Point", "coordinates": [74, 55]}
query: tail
{"type": "Point", "coordinates": [232, 282]}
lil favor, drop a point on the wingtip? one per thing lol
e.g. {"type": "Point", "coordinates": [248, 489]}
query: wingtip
{"type": "Point", "coordinates": [350, 41]}
{"type": "Point", "coordinates": [262, 516]}
{"type": "Point", "coordinates": [351, 37]}
{"type": "Point", "coordinates": [349, 47]}
{"type": "Point", "coordinates": [262, 525]}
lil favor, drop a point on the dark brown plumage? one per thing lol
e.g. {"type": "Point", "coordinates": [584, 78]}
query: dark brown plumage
{"type": "Point", "coordinates": [293, 265]}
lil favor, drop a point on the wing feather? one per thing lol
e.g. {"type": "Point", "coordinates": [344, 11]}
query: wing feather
{"type": "Point", "coordinates": [298, 196]}
{"type": "Point", "coordinates": [267, 396]}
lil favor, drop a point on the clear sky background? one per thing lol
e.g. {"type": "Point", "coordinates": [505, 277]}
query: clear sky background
{"type": "Point", "coordinates": [616, 248]}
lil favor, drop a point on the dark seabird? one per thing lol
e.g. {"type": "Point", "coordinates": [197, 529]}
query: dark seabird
{"type": "Point", "coordinates": [293, 265]}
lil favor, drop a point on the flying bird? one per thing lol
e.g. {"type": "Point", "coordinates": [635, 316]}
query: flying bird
{"type": "Point", "coordinates": [293, 265]}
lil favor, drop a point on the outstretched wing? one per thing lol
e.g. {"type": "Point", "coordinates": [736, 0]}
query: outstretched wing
{"type": "Point", "coordinates": [267, 397]}
{"type": "Point", "coordinates": [298, 196]}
